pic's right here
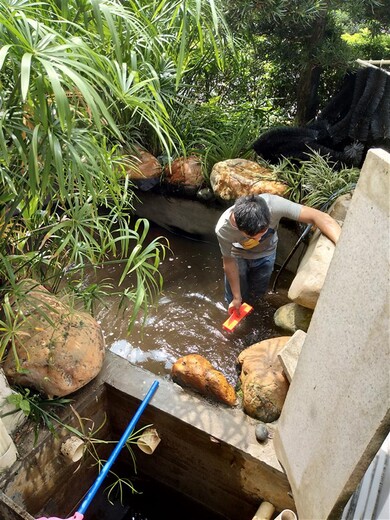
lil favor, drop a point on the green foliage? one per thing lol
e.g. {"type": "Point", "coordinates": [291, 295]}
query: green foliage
{"type": "Point", "coordinates": [119, 486]}
{"type": "Point", "coordinates": [365, 45]}
{"type": "Point", "coordinates": [88, 247]}
{"type": "Point", "coordinates": [219, 146]}
{"type": "Point", "coordinates": [93, 293]}
{"type": "Point", "coordinates": [38, 409]}
{"type": "Point", "coordinates": [315, 181]}
{"type": "Point", "coordinates": [89, 435]}
{"type": "Point", "coordinates": [216, 131]}
{"type": "Point", "coordinates": [302, 40]}
{"type": "Point", "coordinates": [223, 98]}
{"type": "Point", "coordinates": [81, 81]}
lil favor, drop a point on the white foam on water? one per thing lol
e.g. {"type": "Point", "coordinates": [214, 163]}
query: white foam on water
{"type": "Point", "coordinates": [122, 348]}
{"type": "Point", "coordinates": [125, 349]}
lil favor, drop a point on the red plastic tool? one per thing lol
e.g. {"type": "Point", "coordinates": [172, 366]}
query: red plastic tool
{"type": "Point", "coordinates": [231, 323]}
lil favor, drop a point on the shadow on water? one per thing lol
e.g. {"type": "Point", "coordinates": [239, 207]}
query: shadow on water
{"type": "Point", "coordinates": [152, 501]}
{"type": "Point", "coordinates": [189, 313]}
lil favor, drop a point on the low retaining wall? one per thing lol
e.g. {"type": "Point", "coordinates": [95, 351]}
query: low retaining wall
{"type": "Point", "coordinates": [207, 451]}
{"type": "Point", "coordinates": [197, 220]}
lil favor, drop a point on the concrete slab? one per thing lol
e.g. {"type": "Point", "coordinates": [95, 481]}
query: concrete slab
{"type": "Point", "coordinates": [201, 438]}
{"type": "Point", "coordinates": [208, 451]}
{"type": "Point", "coordinates": [336, 413]}
{"type": "Point", "coordinates": [289, 356]}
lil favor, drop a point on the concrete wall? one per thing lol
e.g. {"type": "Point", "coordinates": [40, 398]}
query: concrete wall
{"type": "Point", "coordinates": [41, 482]}
{"type": "Point", "coordinates": [336, 414]}
{"type": "Point", "coordinates": [208, 452]}
{"type": "Point", "coordinates": [198, 220]}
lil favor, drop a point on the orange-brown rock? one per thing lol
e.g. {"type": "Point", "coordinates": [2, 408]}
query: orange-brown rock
{"type": "Point", "coordinates": [57, 355]}
{"type": "Point", "coordinates": [234, 178]}
{"type": "Point", "coordinates": [143, 165]}
{"type": "Point", "coordinates": [197, 373]}
{"type": "Point", "coordinates": [263, 382]}
{"type": "Point", "coordinates": [184, 171]}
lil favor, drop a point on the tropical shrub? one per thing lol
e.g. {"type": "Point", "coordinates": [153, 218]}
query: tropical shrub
{"type": "Point", "coordinates": [80, 82]}
{"type": "Point", "coordinates": [366, 45]}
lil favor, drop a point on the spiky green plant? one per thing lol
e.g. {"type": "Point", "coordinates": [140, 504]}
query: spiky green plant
{"type": "Point", "coordinates": [322, 180]}
{"type": "Point", "coordinates": [216, 133]}
{"type": "Point", "coordinates": [315, 181]}
{"type": "Point", "coordinates": [40, 410]}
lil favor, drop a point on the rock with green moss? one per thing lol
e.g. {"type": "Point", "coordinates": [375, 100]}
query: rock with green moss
{"type": "Point", "coordinates": [293, 317]}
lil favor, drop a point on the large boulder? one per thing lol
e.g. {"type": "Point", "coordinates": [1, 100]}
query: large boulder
{"type": "Point", "coordinates": [263, 382]}
{"type": "Point", "coordinates": [234, 178]}
{"type": "Point", "coordinates": [144, 169]}
{"type": "Point", "coordinates": [197, 373]}
{"type": "Point", "coordinates": [59, 349]}
{"type": "Point", "coordinates": [310, 277]}
{"type": "Point", "coordinates": [185, 172]}
{"type": "Point", "coordinates": [293, 317]}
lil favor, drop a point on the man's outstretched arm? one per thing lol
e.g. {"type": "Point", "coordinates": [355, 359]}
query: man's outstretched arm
{"type": "Point", "coordinates": [325, 223]}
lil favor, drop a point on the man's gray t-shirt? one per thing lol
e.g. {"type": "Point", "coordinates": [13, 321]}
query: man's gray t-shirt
{"type": "Point", "coordinates": [234, 243]}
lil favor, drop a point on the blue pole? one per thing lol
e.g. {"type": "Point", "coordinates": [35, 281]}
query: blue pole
{"type": "Point", "coordinates": [122, 441]}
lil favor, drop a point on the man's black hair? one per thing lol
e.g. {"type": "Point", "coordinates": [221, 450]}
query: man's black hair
{"type": "Point", "coordinates": [251, 214]}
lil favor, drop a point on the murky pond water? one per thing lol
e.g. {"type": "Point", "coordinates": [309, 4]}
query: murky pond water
{"type": "Point", "coordinates": [189, 313]}
{"type": "Point", "coordinates": [152, 501]}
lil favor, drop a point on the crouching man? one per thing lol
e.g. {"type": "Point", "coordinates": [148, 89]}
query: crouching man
{"type": "Point", "coordinates": [247, 236]}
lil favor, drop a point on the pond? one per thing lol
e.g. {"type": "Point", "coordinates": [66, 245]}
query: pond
{"type": "Point", "coordinates": [189, 313]}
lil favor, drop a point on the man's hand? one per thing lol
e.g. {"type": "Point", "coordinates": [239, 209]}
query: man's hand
{"type": "Point", "coordinates": [235, 305]}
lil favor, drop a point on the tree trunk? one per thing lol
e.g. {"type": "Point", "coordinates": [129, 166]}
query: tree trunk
{"type": "Point", "coordinates": [307, 94]}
